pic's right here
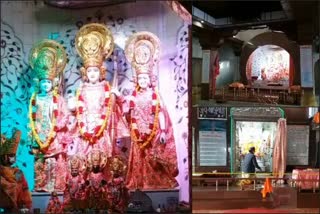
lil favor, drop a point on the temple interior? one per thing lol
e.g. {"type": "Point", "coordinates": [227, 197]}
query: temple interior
{"type": "Point", "coordinates": [255, 53]}
{"type": "Point", "coordinates": [126, 106]}
{"type": "Point", "coordinates": [94, 107]}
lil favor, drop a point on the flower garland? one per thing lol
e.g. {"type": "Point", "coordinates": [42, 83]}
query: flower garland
{"type": "Point", "coordinates": [81, 107]}
{"type": "Point", "coordinates": [145, 139]}
{"type": "Point", "coordinates": [32, 118]}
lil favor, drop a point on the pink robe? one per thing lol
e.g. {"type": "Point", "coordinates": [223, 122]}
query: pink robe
{"type": "Point", "coordinates": [145, 172]}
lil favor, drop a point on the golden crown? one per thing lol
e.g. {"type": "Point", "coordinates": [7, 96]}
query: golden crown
{"type": "Point", "coordinates": [142, 50]}
{"type": "Point", "coordinates": [94, 43]}
{"type": "Point", "coordinates": [48, 59]}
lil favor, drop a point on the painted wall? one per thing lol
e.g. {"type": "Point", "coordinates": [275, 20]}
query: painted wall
{"type": "Point", "coordinates": [23, 23]}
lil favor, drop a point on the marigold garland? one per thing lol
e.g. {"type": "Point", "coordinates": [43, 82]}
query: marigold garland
{"type": "Point", "coordinates": [32, 119]}
{"type": "Point", "coordinates": [98, 130]}
{"type": "Point", "coordinates": [145, 139]}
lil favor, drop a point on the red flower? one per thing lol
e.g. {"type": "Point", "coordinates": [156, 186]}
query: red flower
{"type": "Point", "coordinates": [103, 117]}
{"type": "Point", "coordinates": [81, 98]}
{"type": "Point", "coordinates": [55, 128]}
{"type": "Point", "coordinates": [33, 102]}
{"type": "Point", "coordinates": [96, 130]}
{"type": "Point", "coordinates": [55, 113]}
{"type": "Point", "coordinates": [131, 104]}
{"type": "Point", "coordinates": [81, 124]}
{"type": "Point", "coordinates": [34, 115]}
{"type": "Point", "coordinates": [80, 109]}
{"type": "Point", "coordinates": [154, 96]}
{"type": "Point", "coordinates": [87, 135]}
{"type": "Point", "coordinates": [137, 133]}
{"type": "Point", "coordinates": [106, 101]}
{"type": "Point", "coordinates": [94, 139]}
{"type": "Point", "coordinates": [55, 100]}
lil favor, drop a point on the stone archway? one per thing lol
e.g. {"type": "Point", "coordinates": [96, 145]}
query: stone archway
{"type": "Point", "coordinates": [271, 38]}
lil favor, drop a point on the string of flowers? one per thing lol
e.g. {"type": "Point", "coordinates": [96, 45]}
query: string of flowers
{"type": "Point", "coordinates": [32, 119]}
{"type": "Point", "coordinates": [81, 107]}
{"type": "Point", "coordinates": [145, 139]}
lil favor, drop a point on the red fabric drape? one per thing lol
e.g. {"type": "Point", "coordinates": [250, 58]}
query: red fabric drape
{"type": "Point", "coordinates": [291, 71]}
{"type": "Point", "coordinates": [248, 70]}
{"type": "Point", "coordinates": [217, 65]}
{"type": "Point", "coordinates": [214, 71]}
{"type": "Point", "coordinates": [279, 158]}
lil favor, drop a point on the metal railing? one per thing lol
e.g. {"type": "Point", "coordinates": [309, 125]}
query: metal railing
{"type": "Point", "coordinates": [294, 183]}
{"type": "Point", "coordinates": [265, 96]}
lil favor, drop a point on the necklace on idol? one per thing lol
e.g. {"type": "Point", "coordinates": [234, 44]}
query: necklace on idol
{"type": "Point", "coordinates": [145, 139]}
{"type": "Point", "coordinates": [33, 115]}
{"type": "Point", "coordinates": [81, 108]}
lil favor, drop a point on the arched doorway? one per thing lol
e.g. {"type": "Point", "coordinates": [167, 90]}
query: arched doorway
{"type": "Point", "coordinates": [278, 42]}
{"type": "Point", "coordinates": [268, 65]}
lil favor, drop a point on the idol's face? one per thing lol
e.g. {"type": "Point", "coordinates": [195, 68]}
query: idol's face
{"type": "Point", "coordinates": [143, 80]}
{"type": "Point", "coordinates": [11, 158]}
{"type": "Point", "coordinates": [74, 172]}
{"type": "Point", "coordinates": [93, 74]}
{"type": "Point", "coordinates": [142, 54]}
{"type": "Point", "coordinates": [45, 85]}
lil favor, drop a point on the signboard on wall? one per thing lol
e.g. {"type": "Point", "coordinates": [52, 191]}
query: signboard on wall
{"type": "Point", "coordinates": [298, 145]}
{"type": "Point", "coordinates": [209, 112]}
{"type": "Point", "coordinates": [212, 142]}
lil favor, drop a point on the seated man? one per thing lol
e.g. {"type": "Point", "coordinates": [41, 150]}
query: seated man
{"type": "Point", "coordinates": [249, 166]}
{"type": "Point", "coordinates": [14, 192]}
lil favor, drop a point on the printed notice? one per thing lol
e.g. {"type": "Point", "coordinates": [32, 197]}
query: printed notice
{"type": "Point", "coordinates": [213, 144]}
{"type": "Point", "coordinates": [298, 145]}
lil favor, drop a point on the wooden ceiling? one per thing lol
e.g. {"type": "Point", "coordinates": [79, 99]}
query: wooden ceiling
{"type": "Point", "coordinates": [301, 23]}
{"type": "Point", "coordinates": [237, 9]}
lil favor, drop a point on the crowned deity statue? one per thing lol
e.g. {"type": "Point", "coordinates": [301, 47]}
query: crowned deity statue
{"type": "Point", "coordinates": [15, 196]}
{"type": "Point", "coordinates": [117, 193]}
{"type": "Point", "coordinates": [97, 106]}
{"type": "Point", "coordinates": [152, 161]}
{"type": "Point", "coordinates": [47, 116]}
{"type": "Point", "coordinates": [96, 181]}
{"type": "Point", "coordinates": [54, 206]}
{"type": "Point", "coordinates": [75, 193]}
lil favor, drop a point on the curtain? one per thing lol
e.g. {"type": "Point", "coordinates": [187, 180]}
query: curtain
{"type": "Point", "coordinates": [248, 71]}
{"type": "Point", "coordinates": [279, 158]}
{"type": "Point", "coordinates": [214, 71]}
{"type": "Point", "coordinates": [291, 71]}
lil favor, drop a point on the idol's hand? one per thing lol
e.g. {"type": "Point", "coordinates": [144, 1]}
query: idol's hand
{"type": "Point", "coordinates": [116, 92]}
{"type": "Point", "coordinates": [162, 137]}
{"type": "Point", "coordinates": [71, 102]}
